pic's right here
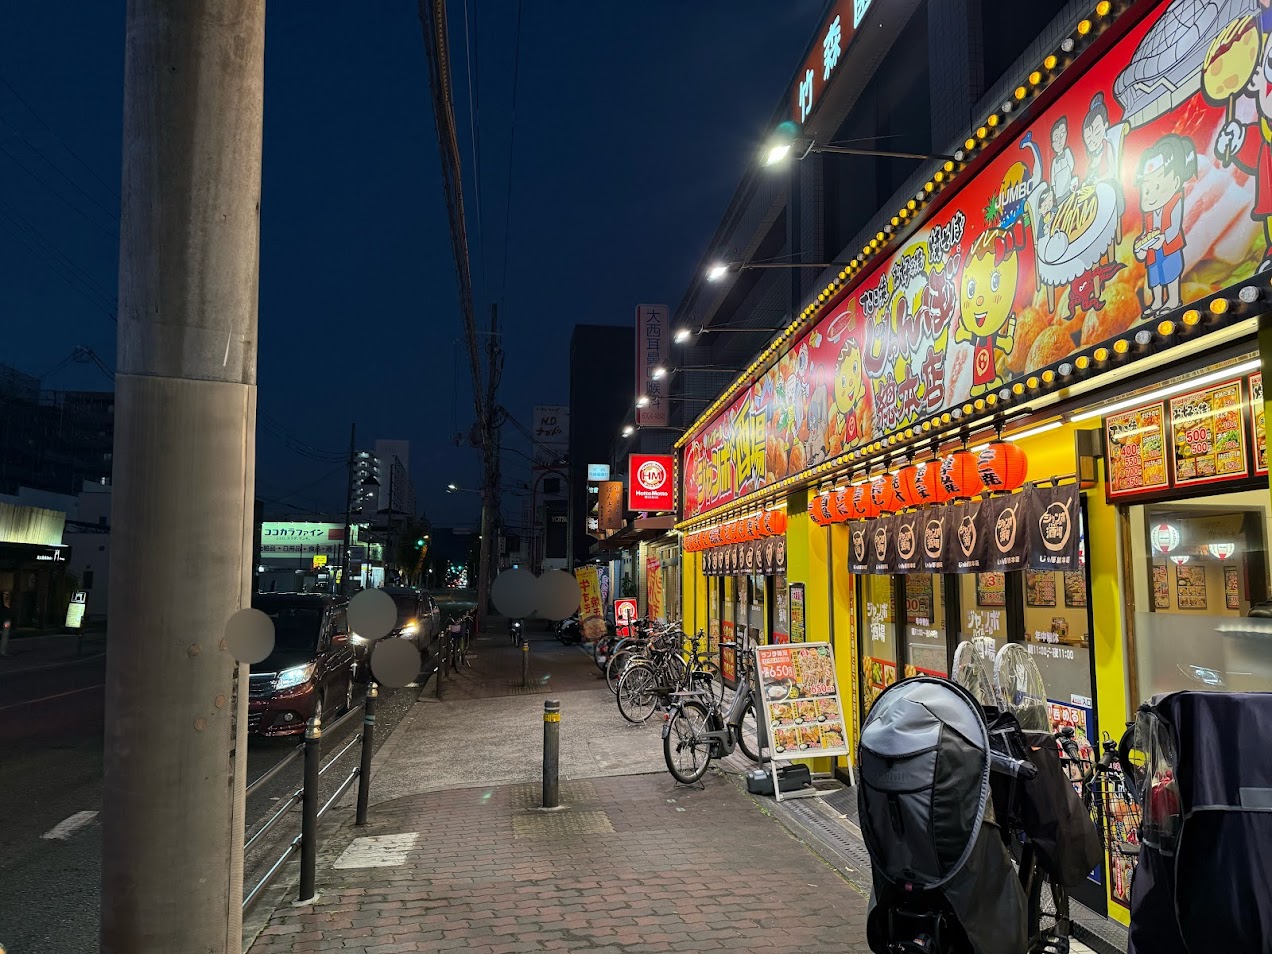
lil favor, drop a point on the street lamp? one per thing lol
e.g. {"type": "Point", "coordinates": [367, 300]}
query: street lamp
{"type": "Point", "coordinates": [643, 401]}
{"type": "Point", "coordinates": [720, 269]}
{"type": "Point", "coordinates": [788, 141]}
{"type": "Point", "coordinates": [452, 489]}
{"type": "Point", "coordinates": [684, 334]}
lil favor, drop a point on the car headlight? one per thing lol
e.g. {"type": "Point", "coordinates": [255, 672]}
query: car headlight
{"type": "Point", "coordinates": [357, 640]}
{"type": "Point", "coordinates": [295, 676]}
{"type": "Point", "coordinates": [410, 629]}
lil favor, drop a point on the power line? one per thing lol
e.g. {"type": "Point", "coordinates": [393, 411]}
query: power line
{"type": "Point", "coordinates": [474, 116]}
{"type": "Point", "coordinates": [76, 278]}
{"type": "Point", "coordinates": [60, 141]}
{"type": "Point", "coordinates": [111, 214]}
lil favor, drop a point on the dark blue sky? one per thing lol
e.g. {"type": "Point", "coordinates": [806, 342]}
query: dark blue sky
{"type": "Point", "coordinates": [633, 123]}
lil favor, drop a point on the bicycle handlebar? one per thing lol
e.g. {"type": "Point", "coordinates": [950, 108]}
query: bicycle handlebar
{"type": "Point", "coordinates": [1016, 768]}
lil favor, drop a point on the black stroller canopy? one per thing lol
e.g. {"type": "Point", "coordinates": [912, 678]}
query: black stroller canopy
{"type": "Point", "coordinates": [924, 781]}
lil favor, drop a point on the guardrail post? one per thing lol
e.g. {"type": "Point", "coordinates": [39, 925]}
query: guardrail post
{"type": "Point", "coordinates": [368, 737]}
{"type": "Point", "coordinates": [551, 753]}
{"type": "Point", "coordinates": [309, 810]}
{"type": "Point", "coordinates": [525, 663]}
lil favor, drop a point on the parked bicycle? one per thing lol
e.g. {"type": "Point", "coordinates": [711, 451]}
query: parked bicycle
{"type": "Point", "coordinates": [700, 728]}
{"type": "Point", "coordinates": [648, 683]}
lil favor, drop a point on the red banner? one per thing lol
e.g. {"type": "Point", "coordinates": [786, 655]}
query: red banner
{"type": "Point", "coordinates": [651, 483]}
{"type": "Point", "coordinates": [1145, 186]}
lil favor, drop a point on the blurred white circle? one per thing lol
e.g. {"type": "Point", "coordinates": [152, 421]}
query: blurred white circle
{"type": "Point", "coordinates": [395, 662]}
{"type": "Point", "coordinates": [515, 593]}
{"type": "Point", "coordinates": [249, 635]}
{"type": "Point", "coordinates": [558, 594]}
{"type": "Point", "coordinates": [372, 613]}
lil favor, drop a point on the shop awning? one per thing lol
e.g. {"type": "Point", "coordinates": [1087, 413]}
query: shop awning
{"type": "Point", "coordinates": [643, 528]}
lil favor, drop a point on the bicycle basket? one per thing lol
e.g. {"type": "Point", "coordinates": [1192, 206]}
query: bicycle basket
{"type": "Point", "coordinates": [1021, 690]}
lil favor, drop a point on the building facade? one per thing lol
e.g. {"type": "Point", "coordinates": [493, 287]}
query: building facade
{"type": "Point", "coordinates": [1024, 405]}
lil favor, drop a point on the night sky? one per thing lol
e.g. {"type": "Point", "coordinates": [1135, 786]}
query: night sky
{"type": "Point", "coordinates": [633, 124]}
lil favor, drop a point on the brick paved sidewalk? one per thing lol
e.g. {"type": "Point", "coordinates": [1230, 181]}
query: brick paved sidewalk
{"type": "Point", "coordinates": [635, 864]}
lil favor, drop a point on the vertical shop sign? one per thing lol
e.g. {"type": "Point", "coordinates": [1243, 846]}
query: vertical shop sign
{"type": "Point", "coordinates": [1258, 424]}
{"type": "Point", "coordinates": [652, 344]}
{"type": "Point", "coordinates": [797, 612]}
{"type": "Point", "coordinates": [781, 615]}
{"type": "Point", "coordinates": [609, 507]}
{"type": "Point", "coordinates": [1053, 515]}
{"type": "Point", "coordinates": [591, 602]}
{"type": "Point", "coordinates": [551, 432]}
{"type": "Point", "coordinates": [654, 589]}
{"type": "Point", "coordinates": [626, 609]}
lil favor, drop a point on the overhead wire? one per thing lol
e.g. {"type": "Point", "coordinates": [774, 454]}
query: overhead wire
{"type": "Point", "coordinates": [512, 145]}
{"type": "Point", "coordinates": [72, 274]}
{"type": "Point", "coordinates": [474, 125]}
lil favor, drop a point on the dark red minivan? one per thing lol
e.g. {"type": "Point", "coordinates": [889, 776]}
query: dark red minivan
{"type": "Point", "coordinates": [311, 669]}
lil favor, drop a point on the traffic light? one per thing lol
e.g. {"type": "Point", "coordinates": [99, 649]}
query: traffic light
{"type": "Point", "coordinates": [419, 544]}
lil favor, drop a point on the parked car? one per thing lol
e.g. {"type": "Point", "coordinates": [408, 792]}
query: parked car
{"type": "Point", "coordinates": [310, 671]}
{"type": "Point", "coordinates": [419, 617]}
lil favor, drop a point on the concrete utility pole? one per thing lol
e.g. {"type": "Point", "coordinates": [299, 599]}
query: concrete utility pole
{"type": "Point", "coordinates": [185, 462]}
{"type": "Point", "coordinates": [490, 481]}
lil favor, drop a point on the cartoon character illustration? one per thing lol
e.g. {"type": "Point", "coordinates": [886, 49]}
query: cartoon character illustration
{"type": "Point", "coordinates": [1062, 162]}
{"type": "Point", "coordinates": [1163, 169]}
{"type": "Point", "coordinates": [1104, 153]}
{"type": "Point", "coordinates": [1249, 146]}
{"type": "Point", "coordinates": [1084, 291]}
{"type": "Point", "coordinates": [818, 409]}
{"type": "Point", "coordinates": [850, 424]}
{"type": "Point", "coordinates": [987, 318]}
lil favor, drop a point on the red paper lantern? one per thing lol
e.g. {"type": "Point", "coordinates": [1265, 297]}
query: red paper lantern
{"type": "Point", "coordinates": [959, 475]}
{"type": "Point", "coordinates": [839, 505]}
{"type": "Point", "coordinates": [905, 486]}
{"type": "Point", "coordinates": [928, 482]}
{"type": "Point", "coordinates": [881, 492]}
{"type": "Point", "coordinates": [863, 505]}
{"type": "Point", "coordinates": [1002, 466]}
{"type": "Point", "coordinates": [775, 522]}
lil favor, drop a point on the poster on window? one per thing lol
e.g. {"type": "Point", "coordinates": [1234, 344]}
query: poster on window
{"type": "Point", "coordinates": [1075, 590]}
{"type": "Point", "coordinates": [991, 589]}
{"type": "Point", "coordinates": [1190, 587]}
{"type": "Point", "coordinates": [876, 676]}
{"type": "Point", "coordinates": [1136, 442]}
{"type": "Point", "coordinates": [1040, 588]}
{"type": "Point", "coordinates": [1208, 436]}
{"type": "Point", "coordinates": [1161, 587]}
{"type": "Point", "coordinates": [654, 608]}
{"type": "Point", "coordinates": [1231, 588]}
{"type": "Point", "coordinates": [797, 612]}
{"type": "Point", "coordinates": [1258, 424]}
{"type": "Point", "coordinates": [918, 598]}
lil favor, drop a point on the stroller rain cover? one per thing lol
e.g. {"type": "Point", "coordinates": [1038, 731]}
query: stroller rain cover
{"type": "Point", "coordinates": [923, 767]}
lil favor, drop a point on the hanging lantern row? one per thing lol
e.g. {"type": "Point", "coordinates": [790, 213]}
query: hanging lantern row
{"type": "Point", "coordinates": [1000, 467]}
{"type": "Point", "coordinates": [770, 523]}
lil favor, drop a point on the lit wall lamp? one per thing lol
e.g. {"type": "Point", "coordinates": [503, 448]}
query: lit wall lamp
{"type": "Point", "coordinates": [720, 269]}
{"type": "Point", "coordinates": [684, 334]}
{"type": "Point", "coordinates": [789, 141]}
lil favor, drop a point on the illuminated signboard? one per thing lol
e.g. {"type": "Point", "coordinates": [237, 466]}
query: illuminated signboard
{"type": "Point", "coordinates": [1133, 192]}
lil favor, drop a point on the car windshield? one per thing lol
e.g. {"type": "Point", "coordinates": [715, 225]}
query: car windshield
{"type": "Point", "coordinates": [407, 608]}
{"type": "Point", "coordinates": [296, 628]}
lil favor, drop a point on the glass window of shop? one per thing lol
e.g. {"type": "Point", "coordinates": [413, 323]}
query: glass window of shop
{"type": "Point", "coordinates": [926, 646]}
{"type": "Point", "coordinates": [1200, 576]}
{"type": "Point", "coordinates": [982, 605]}
{"type": "Point", "coordinates": [669, 568]}
{"type": "Point", "coordinates": [715, 585]}
{"type": "Point", "coordinates": [879, 646]}
{"type": "Point", "coordinates": [780, 623]}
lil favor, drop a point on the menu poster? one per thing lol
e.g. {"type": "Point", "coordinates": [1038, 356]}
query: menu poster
{"type": "Point", "coordinates": [797, 613]}
{"type": "Point", "coordinates": [1231, 588]}
{"type": "Point", "coordinates": [1190, 587]}
{"type": "Point", "coordinates": [1161, 587]}
{"type": "Point", "coordinates": [1257, 424]}
{"type": "Point", "coordinates": [918, 598]}
{"type": "Point", "coordinates": [1136, 441]}
{"type": "Point", "coordinates": [1040, 588]}
{"type": "Point", "coordinates": [1075, 589]}
{"type": "Point", "coordinates": [802, 707]}
{"type": "Point", "coordinates": [876, 676]}
{"type": "Point", "coordinates": [991, 589]}
{"type": "Point", "coordinates": [1208, 436]}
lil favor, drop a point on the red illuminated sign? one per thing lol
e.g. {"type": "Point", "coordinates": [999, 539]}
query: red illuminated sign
{"type": "Point", "coordinates": [651, 482]}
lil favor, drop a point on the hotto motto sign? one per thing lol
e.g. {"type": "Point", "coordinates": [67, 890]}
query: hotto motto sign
{"type": "Point", "coordinates": [651, 482]}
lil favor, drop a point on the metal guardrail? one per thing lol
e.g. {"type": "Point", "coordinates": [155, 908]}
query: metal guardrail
{"type": "Point", "coordinates": [307, 795]}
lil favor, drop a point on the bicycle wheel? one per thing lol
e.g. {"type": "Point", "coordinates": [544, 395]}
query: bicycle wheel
{"type": "Point", "coordinates": [617, 664]}
{"type": "Point", "coordinates": [685, 747]}
{"type": "Point", "coordinates": [1048, 909]}
{"type": "Point", "coordinates": [638, 694]}
{"type": "Point", "coordinates": [749, 734]}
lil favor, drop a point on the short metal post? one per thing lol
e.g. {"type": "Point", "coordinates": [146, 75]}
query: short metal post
{"type": "Point", "coordinates": [4, 637]}
{"type": "Point", "coordinates": [525, 663]}
{"type": "Point", "coordinates": [551, 753]}
{"type": "Point", "coordinates": [309, 810]}
{"type": "Point", "coordinates": [368, 743]}
{"type": "Point", "coordinates": [446, 650]}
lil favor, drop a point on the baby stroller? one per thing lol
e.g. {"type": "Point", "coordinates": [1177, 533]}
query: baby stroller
{"type": "Point", "coordinates": [1204, 779]}
{"type": "Point", "coordinates": [943, 878]}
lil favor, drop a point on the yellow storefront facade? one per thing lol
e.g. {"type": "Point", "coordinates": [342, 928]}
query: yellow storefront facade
{"type": "Point", "coordinates": [1086, 281]}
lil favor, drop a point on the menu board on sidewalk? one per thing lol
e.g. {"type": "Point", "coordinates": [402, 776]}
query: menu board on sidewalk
{"type": "Point", "coordinates": [1136, 441]}
{"type": "Point", "coordinates": [802, 706]}
{"type": "Point", "coordinates": [1208, 435]}
{"type": "Point", "coordinates": [1258, 424]}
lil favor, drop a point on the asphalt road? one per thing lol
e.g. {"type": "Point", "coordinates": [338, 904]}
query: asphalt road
{"type": "Point", "coordinates": [51, 725]}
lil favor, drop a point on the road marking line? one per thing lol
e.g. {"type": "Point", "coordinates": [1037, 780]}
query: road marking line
{"type": "Point", "coordinates": [57, 665]}
{"type": "Point", "coordinates": [69, 826]}
{"type": "Point", "coordinates": [56, 695]}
